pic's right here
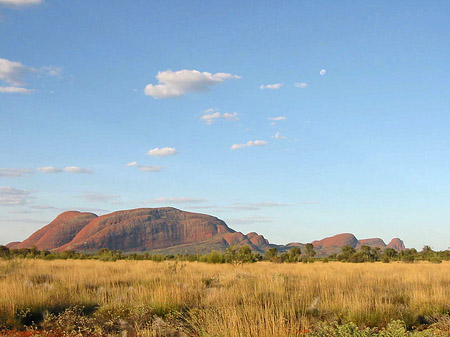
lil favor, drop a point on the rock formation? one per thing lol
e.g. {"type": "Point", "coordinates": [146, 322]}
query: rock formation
{"type": "Point", "coordinates": [166, 230]}
{"type": "Point", "coordinates": [396, 244]}
{"type": "Point", "coordinates": [58, 232]}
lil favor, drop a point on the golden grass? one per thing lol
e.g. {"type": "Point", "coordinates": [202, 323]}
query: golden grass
{"type": "Point", "coordinates": [261, 299]}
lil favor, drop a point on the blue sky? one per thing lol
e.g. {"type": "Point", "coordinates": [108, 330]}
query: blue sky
{"type": "Point", "coordinates": [243, 124]}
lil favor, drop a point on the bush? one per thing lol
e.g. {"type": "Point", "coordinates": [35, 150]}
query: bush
{"type": "Point", "coordinates": [385, 259]}
{"type": "Point", "coordinates": [408, 258]}
{"type": "Point", "coordinates": [435, 259]}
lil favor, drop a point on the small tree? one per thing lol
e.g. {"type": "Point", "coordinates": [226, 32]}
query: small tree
{"type": "Point", "coordinates": [390, 253]}
{"type": "Point", "coordinates": [271, 254]}
{"type": "Point", "coordinates": [346, 253]}
{"type": "Point", "coordinates": [245, 255]}
{"type": "Point", "coordinates": [231, 254]}
{"type": "Point", "coordinates": [4, 251]}
{"type": "Point", "coordinates": [214, 257]}
{"type": "Point", "coordinates": [368, 253]}
{"type": "Point", "coordinates": [294, 254]}
{"type": "Point", "coordinates": [310, 250]}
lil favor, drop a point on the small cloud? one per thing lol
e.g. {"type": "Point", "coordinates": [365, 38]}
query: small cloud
{"type": "Point", "coordinates": [211, 115]}
{"type": "Point", "coordinates": [98, 197]}
{"type": "Point", "coordinates": [133, 163]}
{"type": "Point", "coordinates": [301, 85]}
{"type": "Point", "coordinates": [10, 196]}
{"type": "Point", "coordinates": [162, 152]}
{"type": "Point", "coordinates": [150, 168]}
{"type": "Point", "coordinates": [49, 169]}
{"type": "Point", "coordinates": [322, 72]}
{"type": "Point", "coordinates": [15, 90]}
{"type": "Point", "coordinates": [278, 136]}
{"type": "Point", "coordinates": [77, 170]}
{"type": "Point", "coordinates": [52, 71]}
{"type": "Point", "coordinates": [179, 83]}
{"type": "Point", "coordinates": [249, 144]}
{"type": "Point", "coordinates": [231, 117]}
{"type": "Point", "coordinates": [274, 86]}
{"type": "Point", "coordinates": [176, 200]}
{"type": "Point", "coordinates": [14, 173]}
{"type": "Point", "coordinates": [277, 119]}
{"type": "Point", "coordinates": [20, 3]}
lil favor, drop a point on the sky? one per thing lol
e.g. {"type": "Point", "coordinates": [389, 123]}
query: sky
{"type": "Point", "coordinates": [295, 119]}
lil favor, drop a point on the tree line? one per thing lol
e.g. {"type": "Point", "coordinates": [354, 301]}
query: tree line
{"type": "Point", "coordinates": [243, 254]}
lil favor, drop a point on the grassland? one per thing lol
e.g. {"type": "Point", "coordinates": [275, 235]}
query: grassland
{"type": "Point", "coordinates": [196, 299]}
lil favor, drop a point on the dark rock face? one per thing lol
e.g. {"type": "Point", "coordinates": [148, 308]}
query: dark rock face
{"type": "Point", "coordinates": [375, 242]}
{"type": "Point", "coordinates": [58, 232]}
{"type": "Point", "coordinates": [147, 229]}
{"type": "Point", "coordinates": [397, 244]}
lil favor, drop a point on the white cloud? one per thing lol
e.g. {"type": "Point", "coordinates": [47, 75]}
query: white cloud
{"type": "Point", "coordinates": [274, 86]}
{"type": "Point", "coordinates": [15, 90]}
{"type": "Point", "coordinates": [68, 169]}
{"type": "Point", "coordinates": [301, 85]}
{"type": "Point", "coordinates": [12, 72]}
{"type": "Point", "coordinates": [162, 152]}
{"type": "Point", "coordinates": [20, 3]}
{"type": "Point", "coordinates": [249, 143]}
{"type": "Point", "coordinates": [150, 168]}
{"type": "Point", "coordinates": [98, 197]}
{"type": "Point", "coordinates": [278, 136]}
{"type": "Point", "coordinates": [10, 196]}
{"type": "Point", "coordinates": [145, 168]}
{"type": "Point", "coordinates": [277, 119]}
{"type": "Point", "coordinates": [49, 169]}
{"type": "Point", "coordinates": [232, 117]}
{"type": "Point", "coordinates": [14, 173]}
{"type": "Point", "coordinates": [178, 83]}
{"type": "Point", "coordinates": [211, 115]}
{"type": "Point", "coordinates": [176, 200]}
{"type": "Point", "coordinates": [322, 72]}
{"type": "Point", "coordinates": [52, 71]}
{"type": "Point", "coordinates": [76, 169]}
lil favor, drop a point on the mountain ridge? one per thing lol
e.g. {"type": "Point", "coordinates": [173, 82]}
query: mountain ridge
{"type": "Point", "coordinates": [167, 230]}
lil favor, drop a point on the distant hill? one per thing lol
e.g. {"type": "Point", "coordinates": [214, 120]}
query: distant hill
{"type": "Point", "coordinates": [165, 230]}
